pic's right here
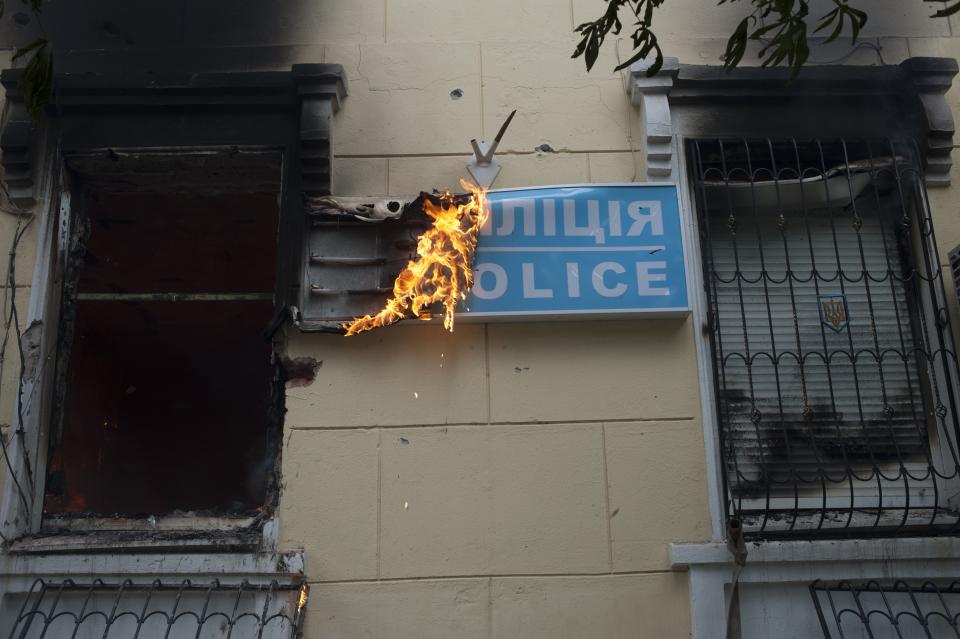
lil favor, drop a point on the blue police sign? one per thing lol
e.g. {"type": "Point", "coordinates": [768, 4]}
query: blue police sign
{"type": "Point", "coordinates": [580, 250]}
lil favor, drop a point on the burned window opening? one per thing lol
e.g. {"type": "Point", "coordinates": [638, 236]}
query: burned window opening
{"type": "Point", "coordinates": [834, 369]}
{"type": "Point", "coordinates": [169, 401]}
{"type": "Point", "coordinates": [206, 133]}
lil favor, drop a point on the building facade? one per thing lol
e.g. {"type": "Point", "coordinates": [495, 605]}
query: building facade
{"type": "Point", "coordinates": [186, 434]}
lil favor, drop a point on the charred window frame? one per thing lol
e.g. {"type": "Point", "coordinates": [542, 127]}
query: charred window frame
{"type": "Point", "coordinates": [96, 120]}
{"type": "Point", "coordinates": [835, 370]}
{"type": "Point", "coordinates": [166, 382]}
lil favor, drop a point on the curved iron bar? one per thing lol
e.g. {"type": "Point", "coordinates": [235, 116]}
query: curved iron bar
{"type": "Point", "coordinates": [762, 374]}
{"type": "Point", "coordinates": [139, 603]}
{"type": "Point", "coordinates": [874, 606]}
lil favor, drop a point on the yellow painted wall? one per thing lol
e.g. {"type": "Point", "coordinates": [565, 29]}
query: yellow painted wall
{"type": "Point", "coordinates": [531, 485]}
{"type": "Point", "coordinates": [508, 480]}
{"type": "Point", "coordinates": [23, 271]}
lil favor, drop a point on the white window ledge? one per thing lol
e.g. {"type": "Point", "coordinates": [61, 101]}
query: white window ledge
{"type": "Point", "coordinates": [686, 555]}
{"type": "Point", "coordinates": [775, 599]}
{"type": "Point", "coordinates": [18, 572]}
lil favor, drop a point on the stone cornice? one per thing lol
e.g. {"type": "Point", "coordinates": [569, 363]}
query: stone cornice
{"type": "Point", "coordinates": [675, 86]}
{"type": "Point", "coordinates": [156, 109]}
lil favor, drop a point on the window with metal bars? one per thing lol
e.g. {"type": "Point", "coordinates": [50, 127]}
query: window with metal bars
{"type": "Point", "coordinates": [878, 610]}
{"type": "Point", "coordinates": [67, 608]}
{"type": "Point", "coordinates": [834, 366]}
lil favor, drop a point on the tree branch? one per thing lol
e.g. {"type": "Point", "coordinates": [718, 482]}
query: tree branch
{"type": "Point", "coordinates": [781, 27]}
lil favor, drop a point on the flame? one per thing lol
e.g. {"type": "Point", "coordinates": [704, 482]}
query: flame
{"type": "Point", "coordinates": [304, 593]}
{"type": "Point", "coordinates": [442, 271]}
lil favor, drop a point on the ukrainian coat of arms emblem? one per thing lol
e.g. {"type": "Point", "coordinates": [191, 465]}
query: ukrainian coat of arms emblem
{"type": "Point", "coordinates": [833, 312]}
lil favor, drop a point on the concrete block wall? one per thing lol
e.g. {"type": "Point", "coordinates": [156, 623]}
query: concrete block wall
{"type": "Point", "coordinates": [503, 480]}
{"type": "Point", "coordinates": [506, 480]}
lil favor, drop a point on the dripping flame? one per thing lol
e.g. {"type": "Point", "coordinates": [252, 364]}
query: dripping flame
{"type": "Point", "coordinates": [442, 272]}
{"type": "Point", "coordinates": [302, 601]}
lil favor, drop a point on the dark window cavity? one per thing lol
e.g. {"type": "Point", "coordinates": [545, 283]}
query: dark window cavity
{"type": "Point", "coordinates": [166, 387]}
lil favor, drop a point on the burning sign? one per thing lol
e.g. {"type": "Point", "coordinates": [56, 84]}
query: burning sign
{"type": "Point", "coordinates": [442, 272]}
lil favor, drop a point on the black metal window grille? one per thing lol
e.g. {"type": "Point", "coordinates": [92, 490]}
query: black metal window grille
{"type": "Point", "coordinates": [69, 609]}
{"type": "Point", "coordinates": [834, 364]}
{"type": "Point", "coordinates": [875, 610]}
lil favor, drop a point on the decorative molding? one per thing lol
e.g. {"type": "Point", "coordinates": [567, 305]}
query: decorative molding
{"type": "Point", "coordinates": [92, 112]}
{"type": "Point", "coordinates": [321, 87]}
{"type": "Point", "coordinates": [685, 555]}
{"type": "Point", "coordinates": [136, 127]}
{"type": "Point", "coordinates": [932, 78]}
{"type": "Point", "coordinates": [652, 95]}
{"type": "Point", "coordinates": [914, 89]}
{"type": "Point", "coordinates": [17, 147]}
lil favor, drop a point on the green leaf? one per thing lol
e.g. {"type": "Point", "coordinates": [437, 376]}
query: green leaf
{"type": "Point", "coordinates": [644, 43]}
{"type": "Point", "coordinates": [827, 20]}
{"type": "Point", "coordinates": [858, 19]}
{"type": "Point", "coordinates": [780, 26]}
{"type": "Point", "coordinates": [736, 45]}
{"type": "Point", "coordinates": [36, 79]}
{"type": "Point", "coordinates": [594, 33]}
{"type": "Point", "coordinates": [947, 11]}
{"type": "Point", "coordinates": [580, 47]}
{"type": "Point", "coordinates": [33, 46]}
{"type": "Point", "coordinates": [801, 51]}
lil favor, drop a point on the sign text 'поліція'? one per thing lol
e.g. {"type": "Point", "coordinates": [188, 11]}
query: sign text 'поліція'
{"type": "Point", "coordinates": [574, 250]}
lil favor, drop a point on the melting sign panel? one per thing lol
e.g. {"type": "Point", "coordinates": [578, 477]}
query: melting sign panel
{"type": "Point", "coordinates": [580, 250]}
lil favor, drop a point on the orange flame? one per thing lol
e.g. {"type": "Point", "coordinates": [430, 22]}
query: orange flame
{"type": "Point", "coordinates": [302, 601]}
{"type": "Point", "coordinates": [442, 271]}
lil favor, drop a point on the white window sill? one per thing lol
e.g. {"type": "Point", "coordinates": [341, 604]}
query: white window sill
{"type": "Point", "coordinates": [223, 541]}
{"type": "Point", "coordinates": [59, 523]}
{"type": "Point", "coordinates": [775, 597]}
{"type": "Point", "coordinates": [18, 571]}
{"type": "Point", "coordinates": [173, 534]}
{"type": "Point", "coordinates": [826, 551]}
